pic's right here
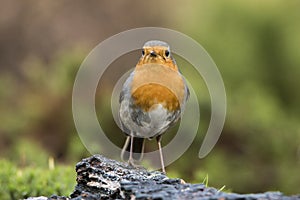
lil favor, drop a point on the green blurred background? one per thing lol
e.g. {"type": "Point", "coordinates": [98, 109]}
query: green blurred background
{"type": "Point", "coordinates": [255, 44]}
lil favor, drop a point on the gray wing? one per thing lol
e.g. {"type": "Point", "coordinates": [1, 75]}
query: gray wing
{"type": "Point", "coordinates": [125, 96]}
{"type": "Point", "coordinates": [126, 88]}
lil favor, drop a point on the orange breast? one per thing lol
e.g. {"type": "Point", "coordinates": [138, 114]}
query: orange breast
{"type": "Point", "coordinates": [148, 95]}
{"type": "Point", "coordinates": [157, 83]}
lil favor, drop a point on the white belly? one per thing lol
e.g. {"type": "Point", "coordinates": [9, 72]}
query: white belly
{"type": "Point", "coordinates": [145, 124]}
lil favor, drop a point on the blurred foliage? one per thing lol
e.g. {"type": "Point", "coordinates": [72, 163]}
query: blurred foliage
{"type": "Point", "coordinates": [20, 183]}
{"type": "Point", "coordinates": [254, 44]}
{"type": "Point", "coordinates": [39, 106]}
{"type": "Point", "coordinates": [255, 49]}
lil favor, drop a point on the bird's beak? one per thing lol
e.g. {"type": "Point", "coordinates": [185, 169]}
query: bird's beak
{"type": "Point", "coordinates": [153, 54]}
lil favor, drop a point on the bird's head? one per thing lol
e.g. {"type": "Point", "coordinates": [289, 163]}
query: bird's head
{"type": "Point", "coordinates": [157, 52]}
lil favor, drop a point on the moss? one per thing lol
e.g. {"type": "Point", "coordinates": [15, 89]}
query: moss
{"type": "Point", "coordinates": [20, 183]}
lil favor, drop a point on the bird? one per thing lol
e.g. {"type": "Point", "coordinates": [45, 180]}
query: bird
{"type": "Point", "coordinates": [152, 100]}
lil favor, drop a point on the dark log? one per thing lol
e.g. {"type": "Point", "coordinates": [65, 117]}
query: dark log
{"type": "Point", "coordinates": [102, 178]}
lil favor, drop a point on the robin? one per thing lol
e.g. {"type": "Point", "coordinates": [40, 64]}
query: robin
{"type": "Point", "coordinates": [152, 100]}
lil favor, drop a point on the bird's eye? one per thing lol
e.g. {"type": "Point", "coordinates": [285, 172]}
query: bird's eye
{"type": "Point", "coordinates": [167, 53]}
{"type": "Point", "coordinates": [143, 52]}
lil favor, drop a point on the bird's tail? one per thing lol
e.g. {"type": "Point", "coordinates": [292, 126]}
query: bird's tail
{"type": "Point", "coordinates": [137, 149]}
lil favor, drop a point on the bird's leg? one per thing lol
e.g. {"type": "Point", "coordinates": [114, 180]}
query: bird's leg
{"type": "Point", "coordinates": [130, 160]}
{"type": "Point", "coordinates": [158, 139]}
